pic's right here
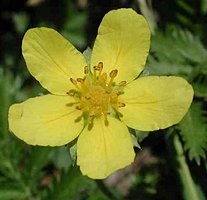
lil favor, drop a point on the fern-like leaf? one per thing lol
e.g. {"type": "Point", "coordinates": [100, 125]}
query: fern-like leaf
{"type": "Point", "coordinates": [176, 52]}
{"type": "Point", "coordinates": [193, 130]}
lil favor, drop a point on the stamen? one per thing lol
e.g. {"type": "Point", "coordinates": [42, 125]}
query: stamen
{"type": "Point", "coordinates": [112, 75]}
{"type": "Point", "coordinates": [95, 68]}
{"type": "Point", "coordinates": [121, 104]}
{"type": "Point", "coordinates": [91, 123]}
{"type": "Point", "coordinates": [106, 122]}
{"type": "Point", "coordinates": [104, 77]}
{"type": "Point", "coordinates": [86, 70]}
{"type": "Point", "coordinates": [122, 83]}
{"type": "Point", "coordinates": [100, 65]}
{"type": "Point", "coordinates": [74, 82]}
{"type": "Point", "coordinates": [78, 107]}
{"type": "Point", "coordinates": [86, 97]}
{"type": "Point", "coordinates": [70, 93]}
{"type": "Point", "coordinates": [80, 80]}
{"type": "Point", "coordinates": [97, 94]}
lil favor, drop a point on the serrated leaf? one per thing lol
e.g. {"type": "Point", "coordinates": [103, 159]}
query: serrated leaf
{"type": "Point", "coordinates": [176, 52]}
{"type": "Point", "coordinates": [37, 159]}
{"type": "Point", "coordinates": [73, 185]}
{"type": "Point", "coordinates": [167, 67]}
{"type": "Point", "coordinates": [193, 130]}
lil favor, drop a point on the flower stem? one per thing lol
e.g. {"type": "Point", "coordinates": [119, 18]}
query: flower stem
{"type": "Point", "coordinates": [146, 9]}
{"type": "Point", "coordinates": [190, 190]}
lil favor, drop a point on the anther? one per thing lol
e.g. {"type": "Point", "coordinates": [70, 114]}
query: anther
{"type": "Point", "coordinates": [100, 65]}
{"type": "Point", "coordinates": [121, 104]}
{"type": "Point", "coordinates": [113, 73]}
{"type": "Point", "coordinates": [86, 70]}
{"type": "Point", "coordinates": [86, 97]}
{"type": "Point", "coordinates": [74, 82]}
{"type": "Point", "coordinates": [78, 107]}
{"type": "Point", "coordinates": [122, 83]}
{"type": "Point", "coordinates": [70, 93]}
{"type": "Point", "coordinates": [97, 68]}
{"type": "Point", "coordinates": [80, 80]}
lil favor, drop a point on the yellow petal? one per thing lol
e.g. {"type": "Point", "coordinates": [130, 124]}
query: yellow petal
{"type": "Point", "coordinates": [155, 102]}
{"type": "Point", "coordinates": [122, 43]}
{"type": "Point", "coordinates": [104, 149]}
{"type": "Point", "coordinates": [51, 59]}
{"type": "Point", "coordinates": [46, 120]}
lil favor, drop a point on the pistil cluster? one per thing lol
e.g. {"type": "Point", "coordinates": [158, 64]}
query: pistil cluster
{"type": "Point", "coordinates": [96, 93]}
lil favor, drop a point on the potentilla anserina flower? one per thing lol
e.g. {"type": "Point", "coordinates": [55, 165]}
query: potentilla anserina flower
{"type": "Point", "coordinates": [95, 103]}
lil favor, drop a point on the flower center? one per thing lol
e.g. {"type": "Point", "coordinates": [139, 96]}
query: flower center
{"type": "Point", "coordinates": [97, 94]}
{"type": "Point", "coordinates": [97, 100]}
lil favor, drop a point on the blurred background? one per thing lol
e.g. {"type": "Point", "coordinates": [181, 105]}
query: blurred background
{"type": "Point", "coordinates": [171, 163]}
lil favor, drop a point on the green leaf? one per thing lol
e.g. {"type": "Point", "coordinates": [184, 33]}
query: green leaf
{"type": "Point", "coordinates": [5, 99]}
{"type": "Point", "coordinates": [61, 158]}
{"type": "Point", "coordinates": [12, 194]}
{"type": "Point", "coordinates": [193, 130]}
{"type": "Point", "coordinates": [185, 53]}
{"type": "Point", "coordinates": [186, 6]}
{"type": "Point", "coordinates": [11, 189]}
{"type": "Point", "coordinates": [21, 22]}
{"type": "Point", "coordinates": [141, 135]}
{"type": "Point", "coordinates": [73, 28]}
{"type": "Point", "coordinates": [73, 153]}
{"type": "Point", "coordinates": [37, 159]}
{"type": "Point", "coordinates": [135, 142]}
{"type": "Point", "coordinates": [73, 185]}
{"type": "Point", "coordinates": [164, 66]}
{"type": "Point", "coordinates": [200, 90]}
{"type": "Point", "coordinates": [204, 6]}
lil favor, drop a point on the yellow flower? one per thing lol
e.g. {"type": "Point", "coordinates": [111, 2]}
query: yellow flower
{"type": "Point", "coordinates": [95, 104]}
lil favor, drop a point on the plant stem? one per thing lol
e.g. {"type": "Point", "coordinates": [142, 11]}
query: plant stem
{"type": "Point", "coordinates": [189, 189]}
{"type": "Point", "coordinates": [146, 9]}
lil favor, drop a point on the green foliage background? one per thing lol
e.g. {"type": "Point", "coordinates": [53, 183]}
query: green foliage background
{"type": "Point", "coordinates": [171, 163]}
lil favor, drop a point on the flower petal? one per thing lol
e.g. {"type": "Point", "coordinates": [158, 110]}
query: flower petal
{"type": "Point", "coordinates": [122, 43]}
{"type": "Point", "coordinates": [104, 149]}
{"type": "Point", "coordinates": [46, 120]}
{"type": "Point", "coordinates": [155, 102]}
{"type": "Point", "coordinates": [51, 59]}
